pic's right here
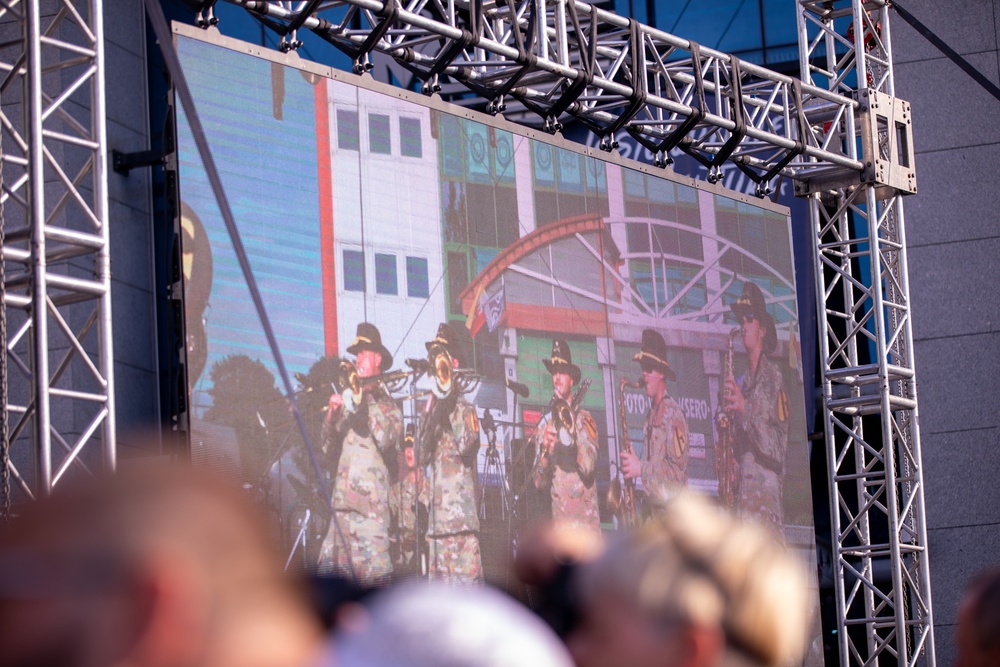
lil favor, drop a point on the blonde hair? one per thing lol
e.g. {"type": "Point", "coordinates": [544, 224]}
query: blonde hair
{"type": "Point", "coordinates": [695, 564]}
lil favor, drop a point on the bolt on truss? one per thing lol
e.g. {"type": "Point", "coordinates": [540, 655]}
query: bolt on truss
{"type": "Point", "coordinates": [866, 349]}
{"type": "Point", "coordinates": [57, 301]}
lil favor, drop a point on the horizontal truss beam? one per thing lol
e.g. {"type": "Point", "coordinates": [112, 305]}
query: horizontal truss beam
{"type": "Point", "coordinates": [613, 74]}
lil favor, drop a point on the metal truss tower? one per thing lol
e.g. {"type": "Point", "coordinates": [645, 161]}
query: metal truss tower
{"type": "Point", "coordinates": [59, 404]}
{"type": "Point", "coordinates": [866, 347]}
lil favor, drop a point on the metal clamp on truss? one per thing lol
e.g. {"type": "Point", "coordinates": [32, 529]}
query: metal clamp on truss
{"type": "Point", "coordinates": [206, 17]}
{"type": "Point", "coordinates": [388, 13]}
{"type": "Point", "coordinates": [359, 54]}
{"type": "Point", "coordinates": [496, 105]}
{"type": "Point", "coordinates": [466, 39]}
{"type": "Point", "coordinates": [290, 42]}
{"type": "Point", "coordinates": [637, 98]}
{"type": "Point", "coordinates": [525, 58]}
{"type": "Point", "coordinates": [289, 35]}
{"type": "Point", "coordinates": [587, 50]}
{"type": "Point", "coordinates": [736, 135]}
{"type": "Point", "coordinates": [763, 180]}
{"type": "Point", "coordinates": [887, 143]}
{"type": "Point", "coordinates": [661, 149]}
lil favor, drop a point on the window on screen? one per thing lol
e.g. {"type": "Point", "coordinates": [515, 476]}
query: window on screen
{"type": "Point", "coordinates": [347, 130]}
{"type": "Point", "coordinates": [409, 137]}
{"type": "Point", "coordinates": [354, 271]}
{"type": "Point", "coordinates": [417, 280]}
{"type": "Point", "coordinates": [385, 274]}
{"type": "Point", "coordinates": [379, 134]}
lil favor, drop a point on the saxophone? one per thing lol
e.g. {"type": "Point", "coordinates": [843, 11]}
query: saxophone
{"type": "Point", "coordinates": [725, 465]}
{"type": "Point", "coordinates": [621, 493]}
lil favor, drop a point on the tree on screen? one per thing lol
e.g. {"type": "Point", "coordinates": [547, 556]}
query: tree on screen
{"type": "Point", "coordinates": [245, 398]}
{"type": "Point", "coordinates": [313, 397]}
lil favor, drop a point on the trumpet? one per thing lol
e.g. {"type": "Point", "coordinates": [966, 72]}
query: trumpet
{"type": "Point", "coordinates": [353, 387]}
{"type": "Point", "coordinates": [448, 384]}
{"type": "Point", "coordinates": [564, 414]}
{"type": "Point", "coordinates": [725, 464]}
{"type": "Point", "coordinates": [621, 495]}
{"type": "Point", "coordinates": [440, 366]}
{"type": "Point", "coordinates": [394, 381]}
{"type": "Point", "coordinates": [442, 369]}
{"type": "Point", "coordinates": [348, 383]}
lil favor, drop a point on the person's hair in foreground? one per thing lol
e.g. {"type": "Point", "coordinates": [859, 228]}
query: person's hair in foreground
{"type": "Point", "coordinates": [693, 587]}
{"type": "Point", "coordinates": [978, 629]}
{"type": "Point", "coordinates": [158, 567]}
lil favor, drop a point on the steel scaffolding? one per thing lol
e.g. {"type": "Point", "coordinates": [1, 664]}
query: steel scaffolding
{"type": "Point", "coordinates": [839, 132]}
{"type": "Point", "coordinates": [57, 300]}
{"type": "Point", "coordinates": [866, 348]}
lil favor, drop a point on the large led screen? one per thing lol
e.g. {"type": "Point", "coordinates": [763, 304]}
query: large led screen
{"type": "Point", "coordinates": [472, 271]}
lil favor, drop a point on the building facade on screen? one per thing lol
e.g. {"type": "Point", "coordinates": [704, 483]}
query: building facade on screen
{"type": "Point", "coordinates": [385, 217]}
{"type": "Point", "coordinates": [404, 215]}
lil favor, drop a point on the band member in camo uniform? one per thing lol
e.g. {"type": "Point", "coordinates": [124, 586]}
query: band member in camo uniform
{"type": "Point", "coordinates": [663, 467]}
{"type": "Point", "coordinates": [361, 439]}
{"type": "Point", "coordinates": [449, 443]}
{"type": "Point", "coordinates": [409, 510]}
{"type": "Point", "coordinates": [760, 408]}
{"type": "Point", "coordinates": [567, 470]}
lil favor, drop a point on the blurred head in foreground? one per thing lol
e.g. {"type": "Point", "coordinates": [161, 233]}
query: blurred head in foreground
{"type": "Point", "coordinates": [548, 558]}
{"type": "Point", "coordinates": [441, 625]}
{"type": "Point", "coordinates": [978, 629]}
{"type": "Point", "coordinates": [692, 588]}
{"type": "Point", "coordinates": [158, 568]}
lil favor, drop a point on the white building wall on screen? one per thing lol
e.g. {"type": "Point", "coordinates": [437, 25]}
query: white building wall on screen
{"type": "Point", "coordinates": [386, 210]}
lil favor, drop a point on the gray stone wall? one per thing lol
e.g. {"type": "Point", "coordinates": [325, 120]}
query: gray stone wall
{"type": "Point", "coordinates": [954, 241]}
{"type": "Point", "coordinates": [132, 270]}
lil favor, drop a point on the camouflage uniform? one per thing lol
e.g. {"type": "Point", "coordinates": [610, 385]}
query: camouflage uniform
{"type": "Point", "coordinates": [665, 452]}
{"type": "Point", "coordinates": [361, 494]}
{"type": "Point", "coordinates": [760, 435]}
{"type": "Point", "coordinates": [569, 473]}
{"type": "Point", "coordinates": [410, 490]}
{"type": "Point", "coordinates": [453, 532]}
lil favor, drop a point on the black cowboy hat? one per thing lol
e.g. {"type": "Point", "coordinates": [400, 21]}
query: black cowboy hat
{"type": "Point", "coordinates": [368, 338]}
{"type": "Point", "coordinates": [752, 305]}
{"type": "Point", "coordinates": [454, 339]}
{"type": "Point", "coordinates": [652, 354]}
{"type": "Point", "coordinates": [562, 361]}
